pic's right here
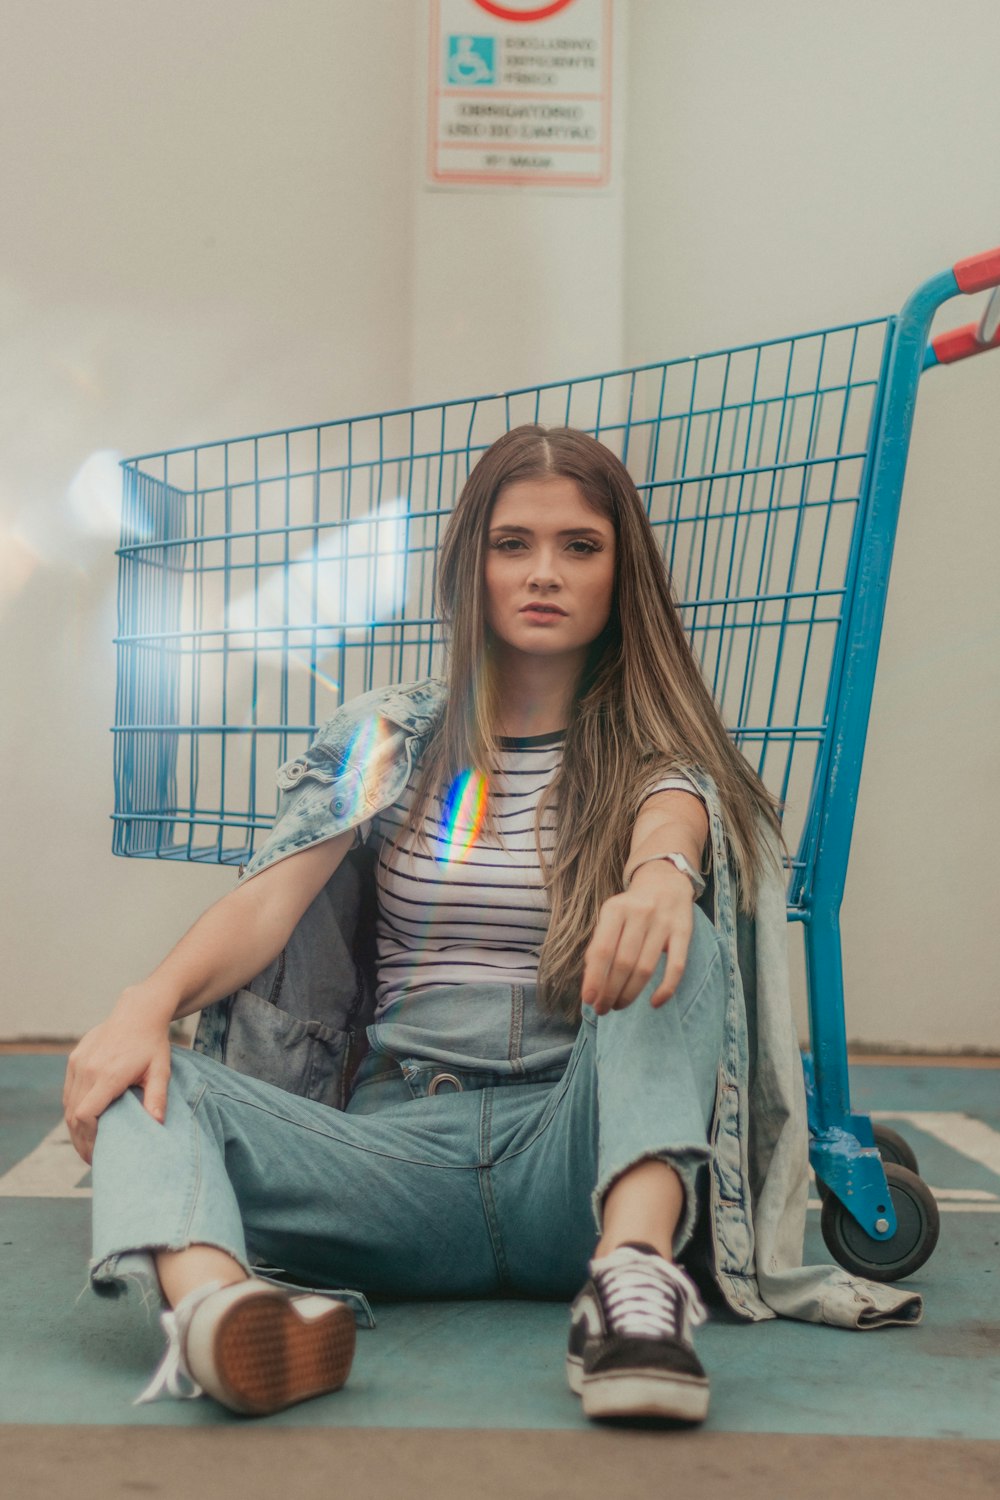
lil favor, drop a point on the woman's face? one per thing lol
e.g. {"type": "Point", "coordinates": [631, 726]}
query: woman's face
{"type": "Point", "coordinates": [550, 568]}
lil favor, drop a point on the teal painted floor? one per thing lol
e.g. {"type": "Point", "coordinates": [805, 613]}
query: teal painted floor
{"type": "Point", "coordinates": [71, 1358]}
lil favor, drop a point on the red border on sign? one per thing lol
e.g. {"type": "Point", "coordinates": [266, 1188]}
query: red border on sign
{"type": "Point", "coordinates": [514, 179]}
{"type": "Point", "coordinates": [506, 13]}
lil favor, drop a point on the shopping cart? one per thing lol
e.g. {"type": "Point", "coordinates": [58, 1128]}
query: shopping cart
{"type": "Point", "coordinates": [266, 579]}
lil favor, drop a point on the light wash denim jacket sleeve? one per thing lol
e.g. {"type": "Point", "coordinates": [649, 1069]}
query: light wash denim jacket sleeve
{"type": "Point", "coordinates": [300, 1024]}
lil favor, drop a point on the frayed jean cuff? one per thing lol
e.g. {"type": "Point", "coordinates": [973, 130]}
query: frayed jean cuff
{"type": "Point", "coordinates": [135, 1271]}
{"type": "Point", "coordinates": [687, 1162]}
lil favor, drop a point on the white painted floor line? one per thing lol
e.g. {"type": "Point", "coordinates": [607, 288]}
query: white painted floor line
{"type": "Point", "coordinates": [973, 1138]}
{"type": "Point", "coordinates": [964, 1195]}
{"type": "Point", "coordinates": [968, 1195]}
{"type": "Point", "coordinates": [52, 1170]}
{"type": "Point", "coordinates": [943, 1208]}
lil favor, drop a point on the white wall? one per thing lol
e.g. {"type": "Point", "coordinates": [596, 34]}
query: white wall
{"type": "Point", "coordinates": [215, 224]}
{"type": "Point", "coordinates": [794, 164]}
{"type": "Point", "coordinates": [206, 233]}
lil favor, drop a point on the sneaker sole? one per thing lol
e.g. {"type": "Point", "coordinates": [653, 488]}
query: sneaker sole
{"type": "Point", "coordinates": [629, 1393]}
{"type": "Point", "coordinates": [268, 1357]}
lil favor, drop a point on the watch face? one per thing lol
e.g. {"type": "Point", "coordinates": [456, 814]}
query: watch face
{"type": "Point", "coordinates": [696, 880]}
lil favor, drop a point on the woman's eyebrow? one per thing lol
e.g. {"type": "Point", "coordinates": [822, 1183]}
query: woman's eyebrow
{"type": "Point", "coordinates": [527, 531]}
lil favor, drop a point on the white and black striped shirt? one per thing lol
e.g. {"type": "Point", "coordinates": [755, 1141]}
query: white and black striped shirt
{"type": "Point", "coordinates": [471, 912]}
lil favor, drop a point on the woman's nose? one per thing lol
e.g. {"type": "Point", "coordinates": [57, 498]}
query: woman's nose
{"type": "Point", "coordinates": [544, 568]}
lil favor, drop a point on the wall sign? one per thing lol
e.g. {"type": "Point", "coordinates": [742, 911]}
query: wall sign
{"type": "Point", "coordinates": [520, 93]}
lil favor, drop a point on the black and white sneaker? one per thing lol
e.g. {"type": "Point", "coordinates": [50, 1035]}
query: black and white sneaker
{"type": "Point", "coordinates": [630, 1351]}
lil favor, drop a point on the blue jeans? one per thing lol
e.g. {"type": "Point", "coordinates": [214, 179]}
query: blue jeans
{"type": "Point", "coordinates": [473, 1157]}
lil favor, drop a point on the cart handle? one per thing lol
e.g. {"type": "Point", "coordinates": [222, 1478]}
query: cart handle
{"type": "Point", "coordinates": [978, 272]}
{"type": "Point", "coordinates": [974, 274]}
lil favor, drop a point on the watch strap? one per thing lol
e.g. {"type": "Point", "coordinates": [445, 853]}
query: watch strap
{"type": "Point", "coordinates": [681, 862]}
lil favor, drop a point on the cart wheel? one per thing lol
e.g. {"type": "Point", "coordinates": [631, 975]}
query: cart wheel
{"type": "Point", "coordinates": [892, 1147]}
{"type": "Point", "coordinates": [917, 1228]}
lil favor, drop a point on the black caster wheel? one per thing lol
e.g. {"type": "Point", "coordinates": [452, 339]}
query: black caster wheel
{"type": "Point", "coordinates": [892, 1147]}
{"type": "Point", "coordinates": [917, 1228]}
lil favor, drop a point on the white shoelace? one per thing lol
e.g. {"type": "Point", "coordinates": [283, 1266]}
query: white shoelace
{"type": "Point", "coordinates": [647, 1297]}
{"type": "Point", "coordinates": [172, 1376]}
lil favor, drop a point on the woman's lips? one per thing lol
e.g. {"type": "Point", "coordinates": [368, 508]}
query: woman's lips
{"type": "Point", "coordinates": [544, 612]}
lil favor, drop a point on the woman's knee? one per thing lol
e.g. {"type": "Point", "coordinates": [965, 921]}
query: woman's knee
{"type": "Point", "coordinates": [187, 1079]}
{"type": "Point", "coordinates": [704, 969]}
{"type": "Point", "coordinates": [191, 1072]}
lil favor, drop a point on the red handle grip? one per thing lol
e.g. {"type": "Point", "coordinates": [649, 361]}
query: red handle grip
{"type": "Point", "coordinates": [977, 272]}
{"type": "Point", "coordinates": [959, 343]}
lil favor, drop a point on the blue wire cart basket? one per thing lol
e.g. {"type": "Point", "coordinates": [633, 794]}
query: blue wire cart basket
{"type": "Point", "coordinates": [265, 580]}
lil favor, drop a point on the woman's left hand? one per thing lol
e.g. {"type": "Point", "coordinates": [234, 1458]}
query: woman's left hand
{"type": "Point", "coordinates": [654, 915]}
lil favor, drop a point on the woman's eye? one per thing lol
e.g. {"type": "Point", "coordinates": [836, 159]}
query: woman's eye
{"type": "Point", "coordinates": [579, 545]}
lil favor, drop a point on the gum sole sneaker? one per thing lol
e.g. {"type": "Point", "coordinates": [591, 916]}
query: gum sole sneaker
{"type": "Point", "coordinates": [258, 1349]}
{"type": "Point", "coordinates": [630, 1350]}
{"type": "Point", "coordinates": [255, 1347]}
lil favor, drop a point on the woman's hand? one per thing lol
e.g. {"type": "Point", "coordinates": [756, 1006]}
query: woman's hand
{"type": "Point", "coordinates": [655, 914]}
{"type": "Point", "coordinates": [128, 1048]}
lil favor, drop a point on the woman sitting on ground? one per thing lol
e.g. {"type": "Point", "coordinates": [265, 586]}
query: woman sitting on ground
{"type": "Point", "coordinates": [559, 1089]}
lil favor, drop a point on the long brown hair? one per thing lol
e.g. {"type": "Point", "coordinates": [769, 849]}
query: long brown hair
{"type": "Point", "coordinates": [641, 706]}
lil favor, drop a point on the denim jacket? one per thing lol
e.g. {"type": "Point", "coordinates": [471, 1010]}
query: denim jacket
{"type": "Point", "coordinates": [301, 1024]}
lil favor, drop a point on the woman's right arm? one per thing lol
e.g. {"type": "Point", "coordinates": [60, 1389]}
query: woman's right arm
{"type": "Point", "coordinates": [230, 944]}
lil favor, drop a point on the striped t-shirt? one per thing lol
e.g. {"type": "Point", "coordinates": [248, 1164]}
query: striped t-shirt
{"type": "Point", "coordinates": [470, 912]}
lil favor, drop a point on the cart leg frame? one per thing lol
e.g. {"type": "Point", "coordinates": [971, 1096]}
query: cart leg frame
{"type": "Point", "coordinates": [842, 1150]}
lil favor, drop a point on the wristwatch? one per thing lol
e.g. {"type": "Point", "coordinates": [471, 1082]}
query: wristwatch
{"type": "Point", "coordinates": [684, 865]}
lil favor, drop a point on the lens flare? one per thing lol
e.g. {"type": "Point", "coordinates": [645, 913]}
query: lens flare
{"type": "Point", "coordinates": [18, 562]}
{"type": "Point", "coordinates": [360, 765]}
{"type": "Point", "coordinates": [351, 579]}
{"type": "Point", "coordinates": [66, 529]}
{"type": "Point", "coordinates": [94, 496]}
{"type": "Point", "coordinates": [464, 813]}
{"type": "Point", "coordinates": [302, 609]}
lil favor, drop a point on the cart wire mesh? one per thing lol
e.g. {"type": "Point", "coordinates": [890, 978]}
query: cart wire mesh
{"type": "Point", "coordinates": [265, 580]}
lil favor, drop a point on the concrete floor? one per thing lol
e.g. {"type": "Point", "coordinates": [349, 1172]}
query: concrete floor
{"type": "Point", "coordinates": [84, 1463]}
{"type": "Point", "coordinates": [445, 1396]}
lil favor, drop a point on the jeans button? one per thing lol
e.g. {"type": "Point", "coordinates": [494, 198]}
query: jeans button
{"type": "Point", "coordinates": [440, 1080]}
